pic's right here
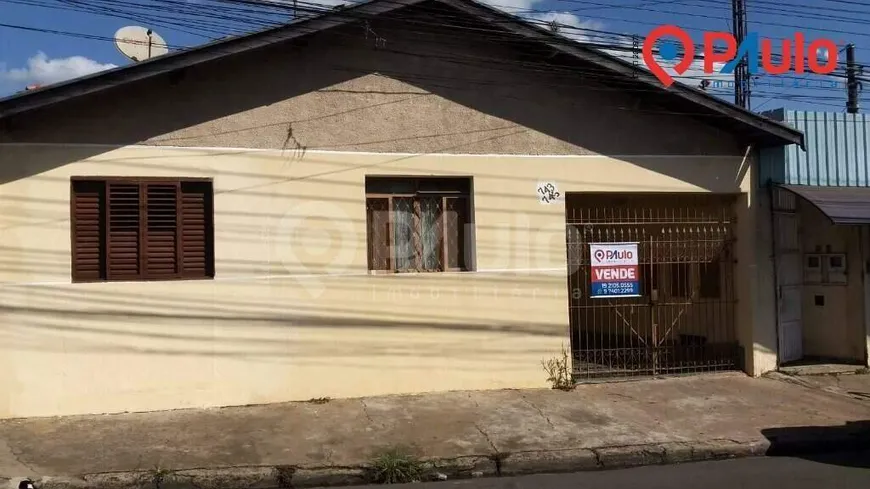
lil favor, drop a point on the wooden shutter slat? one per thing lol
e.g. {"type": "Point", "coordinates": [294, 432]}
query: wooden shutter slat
{"type": "Point", "coordinates": [455, 219]}
{"type": "Point", "coordinates": [196, 232]}
{"type": "Point", "coordinates": [88, 228]}
{"type": "Point", "coordinates": [161, 253]}
{"type": "Point", "coordinates": [124, 235]}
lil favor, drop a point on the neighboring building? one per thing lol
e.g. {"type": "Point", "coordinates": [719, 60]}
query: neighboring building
{"type": "Point", "coordinates": [821, 211]}
{"type": "Point", "coordinates": [220, 226]}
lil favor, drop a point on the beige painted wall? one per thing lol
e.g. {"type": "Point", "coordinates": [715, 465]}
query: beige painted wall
{"type": "Point", "coordinates": [756, 311]}
{"type": "Point", "coordinates": [835, 330]}
{"type": "Point", "coordinates": [273, 325]}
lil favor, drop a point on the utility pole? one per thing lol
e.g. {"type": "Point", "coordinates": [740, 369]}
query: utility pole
{"type": "Point", "coordinates": [742, 78]}
{"type": "Point", "coordinates": [852, 83]}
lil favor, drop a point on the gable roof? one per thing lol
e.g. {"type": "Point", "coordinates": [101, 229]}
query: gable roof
{"type": "Point", "coordinates": [755, 127]}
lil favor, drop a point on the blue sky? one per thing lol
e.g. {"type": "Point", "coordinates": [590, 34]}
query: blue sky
{"type": "Point", "coordinates": [28, 57]}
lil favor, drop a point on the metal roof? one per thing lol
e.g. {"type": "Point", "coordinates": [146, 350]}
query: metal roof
{"type": "Point", "coordinates": [842, 205]}
{"type": "Point", "coordinates": [837, 150]}
{"type": "Point", "coordinates": [755, 127]}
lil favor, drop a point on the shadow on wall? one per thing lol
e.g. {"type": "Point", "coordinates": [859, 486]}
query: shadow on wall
{"type": "Point", "coordinates": [253, 326]}
{"type": "Point", "coordinates": [336, 90]}
{"type": "Point", "coordinates": [844, 445]}
{"type": "Point", "coordinates": [38, 334]}
{"type": "Point", "coordinates": [449, 90]}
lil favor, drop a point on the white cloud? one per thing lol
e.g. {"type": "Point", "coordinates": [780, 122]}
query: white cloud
{"type": "Point", "coordinates": [575, 28]}
{"type": "Point", "coordinates": [588, 30]}
{"type": "Point", "coordinates": [42, 70]}
{"type": "Point", "coordinates": [516, 7]}
{"type": "Point", "coordinates": [572, 26]}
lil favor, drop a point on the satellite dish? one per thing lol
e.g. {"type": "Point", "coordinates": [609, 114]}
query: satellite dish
{"type": "Point", "coordinates": [139, 43]}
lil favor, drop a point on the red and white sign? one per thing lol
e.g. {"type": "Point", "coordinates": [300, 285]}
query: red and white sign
{"type": "Point", "coordinates": [614, 270]}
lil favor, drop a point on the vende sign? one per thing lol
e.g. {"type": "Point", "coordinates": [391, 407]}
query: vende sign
{"type": "Point", "coordinates": [614, 274]}
{"type": "Point", "coordinates": [614, 270]}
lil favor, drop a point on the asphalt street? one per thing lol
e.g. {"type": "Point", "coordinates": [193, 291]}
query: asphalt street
{"type": "Point", "coordinates": [841, 471]}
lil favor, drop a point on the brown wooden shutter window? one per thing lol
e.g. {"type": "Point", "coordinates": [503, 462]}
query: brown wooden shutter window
{"type": "Point", "coordinates": [197, 238]}
{"type": "Point", "coordinates": [142, 229]}
{"type": "Point", "coordinates": [88, 230]}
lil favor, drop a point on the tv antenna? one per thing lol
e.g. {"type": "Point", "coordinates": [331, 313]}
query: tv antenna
{"type": "Point", "coordinates": [139, 43]}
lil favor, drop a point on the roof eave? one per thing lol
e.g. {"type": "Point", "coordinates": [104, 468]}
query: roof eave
{"type": "Point", "coordinates": [26, 101]}
{"type": "Point", "coordinates": [784, 133]}
{"type": "Point", "coordinates": [781, 133]}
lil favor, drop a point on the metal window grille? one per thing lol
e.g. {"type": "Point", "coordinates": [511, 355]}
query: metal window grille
{"type": "Point", "coordinates": [417, 225]}
{"type": "Point", "coordinates": [684, 320]}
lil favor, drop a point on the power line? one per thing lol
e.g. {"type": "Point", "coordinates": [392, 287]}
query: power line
{"type": "Point", "coordinates": [814, 8]}
{"type": "Point", "coordinates": [172, 7]}
{"type": "Point", "coordinates": [456, 83]}
{"type": "Point", "coordinates": [620, 38]}
{"type": "Point", "coordinates": [691, 14]}
{"type": "Point", "coordinates": [543, 67]}
{"type": "Point", "coordinates": [319, 9]}
{"type": "Point", "coordinates": [781, 11]}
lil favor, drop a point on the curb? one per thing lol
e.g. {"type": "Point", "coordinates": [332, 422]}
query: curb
{"type": "Point", "coordinates": [506, 464]}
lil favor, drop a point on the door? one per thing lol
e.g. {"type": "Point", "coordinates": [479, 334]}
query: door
{"type": "Point", "coordinates": [789, 279]}
{"type": "Point", "coordinates": [682, 318]}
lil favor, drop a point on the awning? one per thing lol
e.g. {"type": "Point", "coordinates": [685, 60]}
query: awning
{"type": "Point", "coordinates": [842, 205]}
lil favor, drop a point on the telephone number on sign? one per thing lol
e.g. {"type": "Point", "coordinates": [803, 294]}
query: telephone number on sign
{"type": "Point", "coordinates": [618, 287]}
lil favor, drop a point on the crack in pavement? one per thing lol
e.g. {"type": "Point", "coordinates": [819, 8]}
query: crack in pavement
{"type": "Point", "coordinates": [539, 410]}
{"type": "Point", "coordinates": [16, 460]}
{"type": "Point", "coordinates": [597, 457]}
{"type": "Point", "coordinates": [624, 396]}
{"type": "Point", "coordinates": [471, 397]}
{"type": "Point", "coordinates": [488, 439]}
{"type": "Point", "coordinates": [836, 390]}
{"type": "Point", "coordinates": [366, 411]}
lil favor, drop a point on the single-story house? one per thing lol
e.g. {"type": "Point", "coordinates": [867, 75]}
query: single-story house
{"type": "Point", "coordinates": [395, 197]}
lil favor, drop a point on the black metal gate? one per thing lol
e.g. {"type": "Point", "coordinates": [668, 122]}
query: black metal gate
{"type": "Point", "coordinates": [683, 321]}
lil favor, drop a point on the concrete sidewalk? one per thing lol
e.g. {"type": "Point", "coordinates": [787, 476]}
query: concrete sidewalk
{"type": "Point", "coordinates": [460, 433]}
{"type": "Point", "coordinates": [846, 384]}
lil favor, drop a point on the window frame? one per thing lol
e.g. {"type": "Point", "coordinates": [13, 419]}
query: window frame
{"type": "Point", "coordinates": [692, 280]}
{"type": "Point", "coordinates": [717, 265]}
{"type": "Point", "coordinates": [210, 268]}
{"type": "Point", "coordinates": [692, 283]}
{"type": "Point", "coordinates": [444, 195]}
